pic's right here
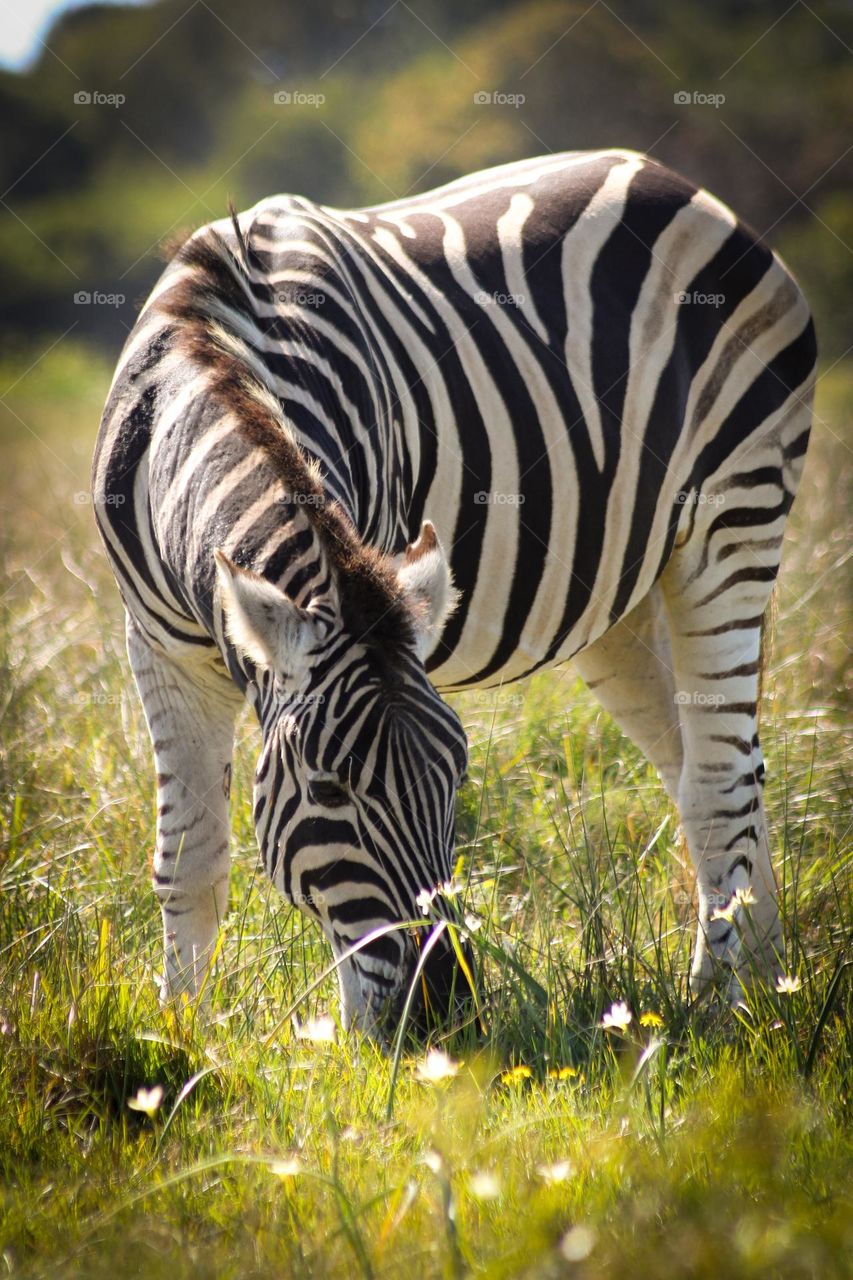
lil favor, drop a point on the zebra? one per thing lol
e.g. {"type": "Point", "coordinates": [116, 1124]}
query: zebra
{"type": "Point", "coordinates": [354, 460]}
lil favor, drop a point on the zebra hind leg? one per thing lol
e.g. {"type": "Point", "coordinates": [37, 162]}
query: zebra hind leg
{"type": "Point", "coordinates": [717, 587]}
{"type": "Point", "coordinates": [191, 722]}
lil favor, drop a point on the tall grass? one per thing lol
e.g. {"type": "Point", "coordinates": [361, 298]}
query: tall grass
{"type": "Point", "coordinates": [694, 1141]}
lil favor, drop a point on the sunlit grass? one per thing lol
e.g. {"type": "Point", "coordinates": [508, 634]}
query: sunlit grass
{"type": "Point", "coordinates": [599, 1125]}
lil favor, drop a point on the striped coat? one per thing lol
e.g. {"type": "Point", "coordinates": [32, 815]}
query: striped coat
{"type": "Point", "coordinates": [586, 373]}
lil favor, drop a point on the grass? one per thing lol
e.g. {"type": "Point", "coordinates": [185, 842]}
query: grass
{"type": "Point", "coordinates": [695, 1142]}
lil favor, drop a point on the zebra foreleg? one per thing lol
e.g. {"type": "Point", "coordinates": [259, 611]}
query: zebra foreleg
{"type": "Point", "coordinates": [191, 722]}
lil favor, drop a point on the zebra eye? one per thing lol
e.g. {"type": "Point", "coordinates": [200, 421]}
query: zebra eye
{"type": "Point", "coordinates": [325, 789]}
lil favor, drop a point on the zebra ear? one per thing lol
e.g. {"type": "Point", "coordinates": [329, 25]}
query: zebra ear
{"type": "Point", "coordinates": [262, 623]}
{"type": "Point", "coordinates": [424, 574]}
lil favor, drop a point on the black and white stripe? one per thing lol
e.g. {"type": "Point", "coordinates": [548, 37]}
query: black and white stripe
{"type": "Point", "coordinates": [592, 380]}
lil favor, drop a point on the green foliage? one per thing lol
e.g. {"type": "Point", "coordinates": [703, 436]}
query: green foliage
{"type": "Point", "coordinates": [693, 1141]}
{"type": "Point", "coordinates": [91, 191]}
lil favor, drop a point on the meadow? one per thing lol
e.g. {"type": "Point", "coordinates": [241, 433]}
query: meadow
{"type": "Point", "coordinates": [260, 1141]}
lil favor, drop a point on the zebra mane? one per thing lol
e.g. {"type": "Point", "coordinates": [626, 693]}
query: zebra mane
{"type": "Point", "coordinates": [203, 304]}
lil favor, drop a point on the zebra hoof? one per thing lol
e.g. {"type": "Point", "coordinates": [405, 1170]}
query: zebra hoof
{"type": "Point", "coordinates": [176, 990]}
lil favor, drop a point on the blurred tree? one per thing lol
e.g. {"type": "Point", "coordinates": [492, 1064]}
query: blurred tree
{"type": "Point", "coordinates": [91, 189]}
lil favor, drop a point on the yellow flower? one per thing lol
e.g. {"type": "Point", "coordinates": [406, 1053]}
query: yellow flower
{"type": "Point", "coordinates": [147, 1100]}
{"type": "Point", "coordinates": [789, 983]}
{"type": "Point", "coordinates": [436, 1066]}
{"type": "Point", "coordinates": [617, 1018]}
{"type": "Point", "coordinates": [651, 1019]}
{"type": "Point", "coordinates": [516, 1074]}
{"type": "Point", "coordinates": [562, 1073]}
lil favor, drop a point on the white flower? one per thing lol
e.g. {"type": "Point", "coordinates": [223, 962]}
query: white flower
{"type": "Point", "coordinates": [787, 984]}
{"type": "Point", "coordinates": [147, 1100]}
{"type": "Point", "coordinates": [318, 1030]}
{"type": "Point", "coordinates": [617, 1018]}
{"type": "Point", "coordinates": [578, 1243]}
{"type": "Point", "coordinates": [484, 1186]}
{"type": "Point", "coordinates": [557, 1172]}
{"type": "Point", "coordinates": [740, 898]}
{"type": "Point", "coordinates": [436, 1066]}
{"type": "Point", "coordinates": [424, 900]}
{"type": "Point", "coordinates": [449, 889]}
{"type": "Point", "coordinates": [287, 1168]}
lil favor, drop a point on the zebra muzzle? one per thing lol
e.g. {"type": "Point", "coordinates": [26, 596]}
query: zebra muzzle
{"type": "Point", "coordinates": [442, 982]}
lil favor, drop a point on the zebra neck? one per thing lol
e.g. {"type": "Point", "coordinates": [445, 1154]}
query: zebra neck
{"type": "Point", "coordinates": [352, 440]}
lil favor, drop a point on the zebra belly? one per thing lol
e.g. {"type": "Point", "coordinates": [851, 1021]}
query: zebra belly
{"type": "Point", "coordinates": [544, 639]}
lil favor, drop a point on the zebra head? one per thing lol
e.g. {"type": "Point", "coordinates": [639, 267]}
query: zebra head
{"type": "Point", "coordinates": [356, 781]}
